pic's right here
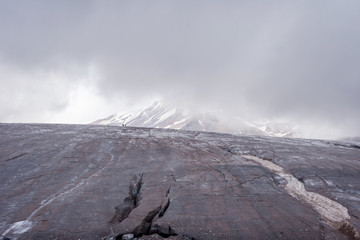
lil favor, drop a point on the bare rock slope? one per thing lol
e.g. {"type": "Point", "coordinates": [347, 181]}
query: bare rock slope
{"type": "Point", "coordinates": [109, 182]}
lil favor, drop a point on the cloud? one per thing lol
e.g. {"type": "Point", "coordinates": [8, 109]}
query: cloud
{"type": "Point", "coordinates": [284, 59]}
{"type": "Point", "coordinates": [33, 95]}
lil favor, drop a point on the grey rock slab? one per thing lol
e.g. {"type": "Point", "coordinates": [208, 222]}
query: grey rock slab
{"type": "Point", "coordinates": [71, 181]}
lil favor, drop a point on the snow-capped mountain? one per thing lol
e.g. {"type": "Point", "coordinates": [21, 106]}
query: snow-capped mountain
{"type": "Point", "coordinates": [158, 115]}
{"type": "Point", "coordinates": [155, 116]}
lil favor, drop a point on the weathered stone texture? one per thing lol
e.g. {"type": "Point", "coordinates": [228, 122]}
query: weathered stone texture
{"type": "Point", "coordinates": [102, 182]}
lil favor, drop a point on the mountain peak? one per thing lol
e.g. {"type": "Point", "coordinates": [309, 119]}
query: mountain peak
{"type": "Point", "coordinates": [160, 115]}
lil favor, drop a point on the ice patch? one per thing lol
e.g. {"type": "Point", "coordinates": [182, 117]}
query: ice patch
{"type": "Point", "coordinates": [332, 212]}
{"type": "Point", "coordinates": [19, 227]}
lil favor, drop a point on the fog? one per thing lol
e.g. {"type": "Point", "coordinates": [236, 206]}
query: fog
{"type": "Point", "coordinates": [77, 61]}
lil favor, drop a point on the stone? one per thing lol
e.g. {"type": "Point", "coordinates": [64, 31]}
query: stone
{"type": "Point", "coordinates": [127, 237]}
{"type": "Point", "coordinates": [91, 182]}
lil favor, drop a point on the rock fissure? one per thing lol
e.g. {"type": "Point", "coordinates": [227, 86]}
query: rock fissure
{"type": "Point", "coordinates": [20, 155]}
{"type": "Point", "coordinates": [163, 210]}
{"type": "Point", "coordinates": [145, 226]}
{"type": "Point", "coordinates": [123, 210]}
{"type": "Point", "coordinates": [218, 171]}
{"type": "Point", "coordinates": [253, 179]}
{"type": "Point", "coordinates": [148, 225]}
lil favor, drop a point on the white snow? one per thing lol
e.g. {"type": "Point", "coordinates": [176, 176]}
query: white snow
{"type": "Point", "coordinates": [332, 212]}
{"type": "Point", "coordinates": [160, 115]}
{"type": "Point", "coordinates": [177, 122]}
{"type": "Point", "coordinates": [166, 115]}
{"type": "Point", "coordinates": [19, 227]}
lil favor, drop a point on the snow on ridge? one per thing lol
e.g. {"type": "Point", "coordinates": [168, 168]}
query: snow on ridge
{"type": "Point", "coordinates": [166, 115]}
{"type": "Point", "coordinates": [160, 115]}
{"type": "Point", "coordinates": [177, 123]}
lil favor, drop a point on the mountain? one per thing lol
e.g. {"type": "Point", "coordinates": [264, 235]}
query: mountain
{"type": "Point", "coordinates": [159, 115]}
{"type": "Point", "coordinates": [110, 182]}
{"type": "Point", "coordinates": [155, 116]}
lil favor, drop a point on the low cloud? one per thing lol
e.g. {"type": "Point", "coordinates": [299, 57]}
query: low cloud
{"type": "Point", "coordinates": [258, 60]}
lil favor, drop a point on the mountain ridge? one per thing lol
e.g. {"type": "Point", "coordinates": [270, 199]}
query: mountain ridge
{"type": "Point", "coordinates": [160, 115]}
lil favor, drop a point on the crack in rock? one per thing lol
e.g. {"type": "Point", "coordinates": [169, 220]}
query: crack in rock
{"type": "Point", "coordinates": [20, 155]}
{"type": "Point", "coordinates": [333, 213]}
{"type": "Point", "coordinates": [147, 226]}
{"type": "Point", "coordinates": [123, 210]}
{"type": "Point", "coordinates": [163, 210]}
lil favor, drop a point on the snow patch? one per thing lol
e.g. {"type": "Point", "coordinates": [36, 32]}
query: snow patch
{"type": "Point", "coordinates": [177, 122]}
{"type": "Point", "coordinates": [332, 212]}
{"type": "Point", "coordinates": [166, 115]}
{"type": "Point", "coordinates": [19, 227]}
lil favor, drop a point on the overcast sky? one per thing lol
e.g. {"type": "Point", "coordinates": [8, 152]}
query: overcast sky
{"type": "Point", "coordinates": [78, 61]}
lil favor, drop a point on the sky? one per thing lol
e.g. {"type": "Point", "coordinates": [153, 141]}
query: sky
{"type": "Point", "coordinates": [78, 61]}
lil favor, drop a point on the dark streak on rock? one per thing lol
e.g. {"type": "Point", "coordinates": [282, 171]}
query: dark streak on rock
{"type": "Point", "coordinates": [168, 192]}
{"type": "Point", "coordinates": [347, 146]}
{"type": "Point", "coordinates": [250, 180]}
{"type": "Point", "coordinates": [355, 146]}
{"type": "Point", "coordinates": [134, 189]}
{"type": "Point", "coordinates": [123, 210]}
{"type": "Point", "coordinates": [20, 155]}
{"type": "Point", "coordinates": [322, 179]}
{"type": "Point", "coordinates": [217, 170]}
{"type": "Point", "coordinates": [173, 177]}
{"type": "Point", "coordinates": [163, 210]}
{"type": "Point", "coordinates": [186, 237]}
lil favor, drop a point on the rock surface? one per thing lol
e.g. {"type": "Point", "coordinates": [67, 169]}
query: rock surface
{"type": "Point", "coordinates": [102, 182]}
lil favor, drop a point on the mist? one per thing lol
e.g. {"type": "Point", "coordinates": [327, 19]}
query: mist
{"type": "Point", "coordinates": [77, 61]}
